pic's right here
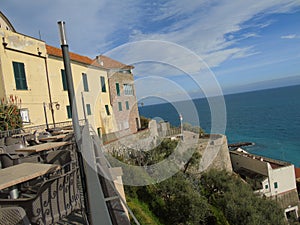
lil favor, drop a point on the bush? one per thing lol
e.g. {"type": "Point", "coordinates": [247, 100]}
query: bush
{"type": "Point", "coordinates": [10, 117]}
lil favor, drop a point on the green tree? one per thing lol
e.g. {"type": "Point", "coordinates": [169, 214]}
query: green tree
{"type": "Point", "coordinates": [174, 201]}
{"type": "Point", "coordinates": [236, 199]}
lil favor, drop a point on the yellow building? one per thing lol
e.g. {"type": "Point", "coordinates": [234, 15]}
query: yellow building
{"type": "Point", "coordinates": [23, 72]}
{"type": "Point", "coordinates": [34, 72]}
{"type": "Point", "coordinates": [90, 84]}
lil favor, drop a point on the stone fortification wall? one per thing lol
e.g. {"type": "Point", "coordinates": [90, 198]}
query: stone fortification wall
{"type": "Point", "coordinates": [215, 154]}
{"type": "Point", "coordinates": [214, 150]}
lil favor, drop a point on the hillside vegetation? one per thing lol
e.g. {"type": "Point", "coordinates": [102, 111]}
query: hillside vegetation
{"type": "Point", "coordinates": [212, 198]}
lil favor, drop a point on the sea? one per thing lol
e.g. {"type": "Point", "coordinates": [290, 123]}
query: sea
{"type": "Point", "coordinates": [269, 118]}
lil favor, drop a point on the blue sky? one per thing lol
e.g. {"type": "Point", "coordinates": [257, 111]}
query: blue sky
{"type": "Point", "coordinates": [237, 43]}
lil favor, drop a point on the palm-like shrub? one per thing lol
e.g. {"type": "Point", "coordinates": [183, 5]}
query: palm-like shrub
{"type": "Point", "coordinates": [10, 117]}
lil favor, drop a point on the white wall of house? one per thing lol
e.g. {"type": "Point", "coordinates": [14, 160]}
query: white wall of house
{"type": "Point", "coordinates": [282, 179]}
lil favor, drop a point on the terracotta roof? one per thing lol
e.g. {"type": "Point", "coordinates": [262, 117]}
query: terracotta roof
{"type": "Point", "coordinates": [110, 63]}
{"type": "Point", "coordinates": [73, 56]}
{"type": "Point", "coordinates": [297, 173]}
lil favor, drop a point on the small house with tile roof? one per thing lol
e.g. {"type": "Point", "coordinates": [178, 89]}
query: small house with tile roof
{"type": "Point", "coordinates": [270, 178]}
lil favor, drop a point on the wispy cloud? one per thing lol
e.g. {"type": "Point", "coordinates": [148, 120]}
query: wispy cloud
{"type": "Point", "coordinates": [290, 36]}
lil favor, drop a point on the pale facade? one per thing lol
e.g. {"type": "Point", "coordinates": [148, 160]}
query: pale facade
{"type": "Point", "coordinates": [23, 73]}
{"type": "Point", "coordinates": [122, 95]}
{"type": "Point", "coordinates": [34, 72]}
{"type": "Point", "coordinates": [91, 87]}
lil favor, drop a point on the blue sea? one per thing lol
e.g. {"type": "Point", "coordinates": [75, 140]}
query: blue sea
{"type": "Point", "coordinates": [268, 118]}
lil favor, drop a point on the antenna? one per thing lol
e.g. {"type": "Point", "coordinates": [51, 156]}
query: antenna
{"type": "Point", "coordinates": [40, 36]}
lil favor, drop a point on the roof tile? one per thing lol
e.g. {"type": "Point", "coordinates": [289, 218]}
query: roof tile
{"type": "Point", "coordinates": [73, 56]}
{"type": "Point", "coordinates": [110, 63]}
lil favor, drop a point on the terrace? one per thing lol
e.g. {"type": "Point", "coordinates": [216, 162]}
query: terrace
{"type": "Point", "coordinates": [41, 181]}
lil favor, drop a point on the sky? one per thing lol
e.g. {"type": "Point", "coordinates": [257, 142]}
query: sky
{"type": "Point", "coordinates": [180, 49]}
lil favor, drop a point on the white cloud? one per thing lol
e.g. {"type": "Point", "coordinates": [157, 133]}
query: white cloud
{"type": "Point", "coordinates": [290, 36]}
{"type": "Point", "coordinates": [211, 29]}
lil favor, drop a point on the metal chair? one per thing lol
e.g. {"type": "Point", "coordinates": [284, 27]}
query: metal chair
{"type": "Point", "coordinates": [56, 198]}
{"type": "Point", "coordinates": [8, 160]}
{"type": "Point", "coordinates": [13, 216]}
{"type": "Point", "coordinates": [62, 158]}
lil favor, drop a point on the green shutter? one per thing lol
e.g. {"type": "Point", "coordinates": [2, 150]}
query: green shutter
{"type": "Point", "coordinates": [99, 131]}
{"type": "Point", "coordinates": [64, 80]}
{"type": "Point", "coordinates": [85, 82]}
{"type": "Point", "coordinates": [127, 105]}
{"type": "Point", "coordinates": [120, 106]}
{"type": "Point", "coordinates": [88, 109]}
{"type": "Point", "coordinates": [20, 76]}
{"type": "Point", "coordinates": [107, 110]}
{"type": "Point", "coordinates": [118, 89]}
{"type": "Point", "coordinates": [103, 86]}
{"type": "Point", "coordinates": [69, 112]}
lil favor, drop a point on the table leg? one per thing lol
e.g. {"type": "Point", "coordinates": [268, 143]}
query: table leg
{"type": "Point", "coordinates": [14, 192]}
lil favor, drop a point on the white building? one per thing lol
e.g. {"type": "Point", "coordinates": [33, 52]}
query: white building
{"type": "Point", "coordinates": [270, 178]}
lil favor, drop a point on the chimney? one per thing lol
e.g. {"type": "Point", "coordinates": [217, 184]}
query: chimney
{"type": "Point", "coordinates": [99, 60]}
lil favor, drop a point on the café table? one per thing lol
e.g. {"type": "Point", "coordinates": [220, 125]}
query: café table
{"type": "Point", "coordinates": [53, 138]}
{"type": "Point", "coordinates": [62, 132]}
{"type": "Point", "coordinates": [21, 135]}
{"type": "Point", "coordinates": [13, 175]}
{"type": "Point", "coordinates": [42, 147]}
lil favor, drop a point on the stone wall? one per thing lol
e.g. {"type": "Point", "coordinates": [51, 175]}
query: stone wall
{"type": "Point", "coordinates": [214, 151]}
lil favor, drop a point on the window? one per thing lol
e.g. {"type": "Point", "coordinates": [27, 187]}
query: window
{"type": "Point", "coordinates": [266, 186]}
{"type": "Point", "coordinates": [127, 105]}
{"type": "Point", "coordinates": [99, 132]}
{"type": "Point", "coordinates": [107, 110]}
{"type": "Point", "coordinates": [64, 80]}
{"type": "Point", "coordinates": [103, 86]}
{"type": "Point", "coordinates": [25, 115]}
{"type": "Point", "coordinates": [85, 82]}
{"type": "Point", "coordinates": [120, 106]}
{"type": "Point", "coordinates": [275, 185]}
{"type": "Point", "coordinates": [128, 89]}
{"type": "Point", "coordinates": [88, 109]}
{"type": "Point", "coordinates": [118, 89]}
{"type": "Point", "coordinates": [20, 76]}
{"type": "Point", "coordinates": [69, 112]}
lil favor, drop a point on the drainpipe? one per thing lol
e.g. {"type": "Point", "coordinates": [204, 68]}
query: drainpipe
{"type": "Point", "coordinates": [49, 91]}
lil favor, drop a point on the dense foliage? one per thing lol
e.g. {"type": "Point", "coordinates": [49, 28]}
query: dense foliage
{"type": "Point", "coordinates": [214, 198]}
{"type": "Point", "coordinates": [144, 122]}
{"type": "Point", "coordinates": [10, 117]}
{"type": "Point", "coordinates": [236, 200]}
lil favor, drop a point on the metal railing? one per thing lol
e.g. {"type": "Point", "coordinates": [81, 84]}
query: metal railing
{"type": "Point", "coordinates": [41, 127]}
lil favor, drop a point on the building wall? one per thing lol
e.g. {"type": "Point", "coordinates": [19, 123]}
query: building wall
{"type": "Point", "coordinates": [249, 163]}
{"type": "Point", "coordinates": [41, 68]}
{"type": "Point", "coordinates": [16, 47]}
{"type": "Point", "coordinates": [285, 178]}
{"type": "Point", "coordinates": [94, 96]}
{"type": "Point", "coordinates": [127, 121]}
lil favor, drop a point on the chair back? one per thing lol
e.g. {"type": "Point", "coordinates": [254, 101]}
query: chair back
{"type": "Point", "coordinates": [55, 199]}
{"type": "Point", "coordinates": [13, 216]}
{"type": "Point", "coordinates": [8, 160]}
{"type": "Point", "coordinates": [60, 157]}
